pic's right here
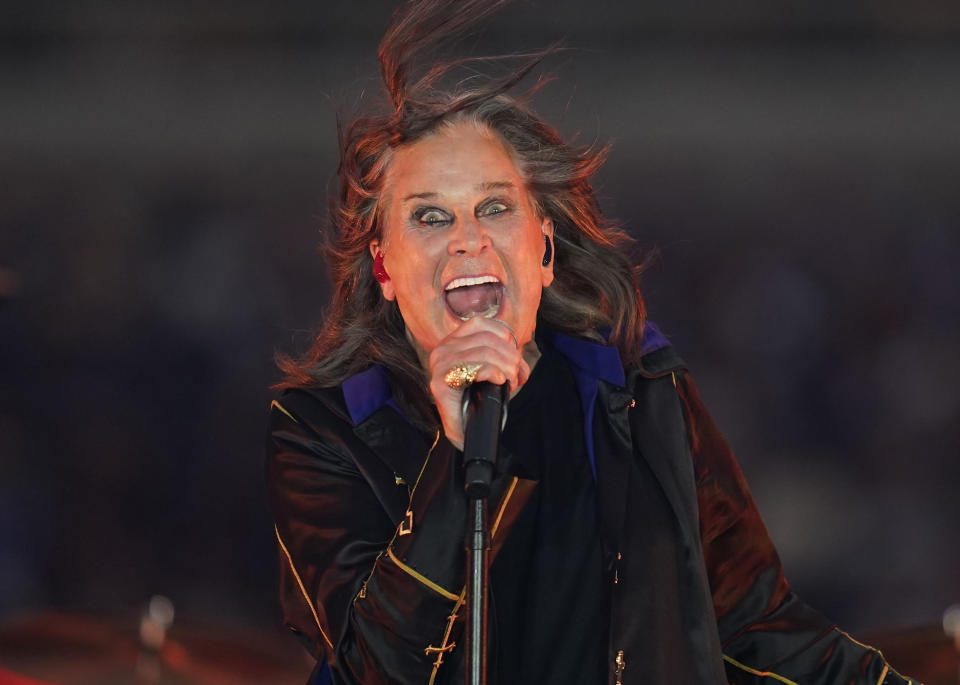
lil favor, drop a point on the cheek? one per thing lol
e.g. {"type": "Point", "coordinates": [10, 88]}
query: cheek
{"type": "Point", "coordinates": [411, 269]}
{"type": "Point", "coordinates": [532, 251]}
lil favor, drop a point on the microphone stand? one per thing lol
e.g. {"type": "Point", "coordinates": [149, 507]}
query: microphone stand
{"type": "Point", "coordinates": [485, 413]}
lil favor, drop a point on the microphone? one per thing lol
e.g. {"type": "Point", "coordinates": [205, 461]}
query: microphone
{"type": "Point", "coordinates": [484, 415]}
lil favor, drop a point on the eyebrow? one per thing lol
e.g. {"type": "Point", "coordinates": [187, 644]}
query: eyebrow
{"type": "Point", "coordinates": [483, 187]}
{"type": "Point", "coordinates": [496, 185]}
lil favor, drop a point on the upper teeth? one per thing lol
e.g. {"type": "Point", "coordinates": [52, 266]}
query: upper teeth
{"type": "Point", "coordinates": [472, 280]}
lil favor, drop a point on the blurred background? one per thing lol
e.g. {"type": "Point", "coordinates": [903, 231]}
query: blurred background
{"type": "Point", "coordinates": [791, 167]}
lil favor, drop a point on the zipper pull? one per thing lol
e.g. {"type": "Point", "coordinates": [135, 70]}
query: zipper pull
{"type": "Point", "coordinates": [621, 664]}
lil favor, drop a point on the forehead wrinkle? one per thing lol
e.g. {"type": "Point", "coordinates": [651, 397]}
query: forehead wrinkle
{"type": "Point", "coordinates": [448, 129]}
{"type": "Point", "coordinates": [429, 195]}
{"type": "Point", "coordinates": [484, 187]}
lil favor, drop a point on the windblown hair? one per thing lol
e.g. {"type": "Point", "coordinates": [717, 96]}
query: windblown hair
{"type": "Point", "coordinates": [595, 285]}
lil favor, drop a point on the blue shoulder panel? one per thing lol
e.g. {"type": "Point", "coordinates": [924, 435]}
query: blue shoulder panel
{"type": "Point", "coordinates": [366, 392]}
{"type": "Point", "coordinates": [598, 361]}
{"type": "Point", "coordinates": [653, 339]}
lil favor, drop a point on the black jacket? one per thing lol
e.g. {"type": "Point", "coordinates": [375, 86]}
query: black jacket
{"type": "Point", "coordinates": [370, 518]}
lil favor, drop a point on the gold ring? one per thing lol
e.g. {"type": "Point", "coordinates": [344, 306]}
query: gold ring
{"type": "Point", "coordinates": [461, 375]}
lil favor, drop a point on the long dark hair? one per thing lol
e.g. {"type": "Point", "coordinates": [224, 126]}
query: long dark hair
{"type": "Point", "coordinates": [595, 284]}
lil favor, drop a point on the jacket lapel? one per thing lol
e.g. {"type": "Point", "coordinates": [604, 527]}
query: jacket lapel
{"type": "Point", "coordinates": [614, 455]}
{"type": "Point", "coordinates": [653, 422]}
{"type": "Point", "coordinates": [399, 445]}
{"type": "Point", "coordinates": [659, 433]}
{"type": "Point", "coordinates": [381, 424]}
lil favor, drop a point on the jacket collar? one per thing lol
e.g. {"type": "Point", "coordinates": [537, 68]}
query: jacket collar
{"type": "Point", "coordinates": [368, 391]}
{"type": "Point", "coordinates": [593, 363]}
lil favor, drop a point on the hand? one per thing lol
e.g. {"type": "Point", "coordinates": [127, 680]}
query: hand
{"type": "Point", "coordinates": [487, 342]}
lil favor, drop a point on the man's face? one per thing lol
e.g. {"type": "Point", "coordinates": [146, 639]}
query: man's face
{"type": "Point", "coordinates": [460, 236]}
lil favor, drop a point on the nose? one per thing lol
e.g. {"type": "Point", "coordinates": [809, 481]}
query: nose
{"type": "Point", "coordinates": [468, 236]}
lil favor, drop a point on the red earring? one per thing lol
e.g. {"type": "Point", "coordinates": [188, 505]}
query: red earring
{"type": "Point", "coordinates": [378, 271]}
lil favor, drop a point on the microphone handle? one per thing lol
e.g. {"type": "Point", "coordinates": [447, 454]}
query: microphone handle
{"type": "Point", "coordinates": [485, 414]}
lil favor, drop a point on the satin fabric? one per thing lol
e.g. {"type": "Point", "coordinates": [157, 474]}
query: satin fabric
{"type": "Point", "coordinates": [700, 596]}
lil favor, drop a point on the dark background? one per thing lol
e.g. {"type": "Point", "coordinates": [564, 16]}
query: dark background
{"type": "Point", "coordinates": [164, 171]}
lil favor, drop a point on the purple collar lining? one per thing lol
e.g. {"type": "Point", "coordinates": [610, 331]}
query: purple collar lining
{"type": "Point", "coordinates": [366, 392]}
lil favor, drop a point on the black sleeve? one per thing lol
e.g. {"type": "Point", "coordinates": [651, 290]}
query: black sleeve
{"type": "Point", "coordinates": [376, 597]}
{"type": "Point", "coordinates": [768, 634]}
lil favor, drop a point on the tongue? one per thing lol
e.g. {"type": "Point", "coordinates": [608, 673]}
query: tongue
{"type": "Point", "coordinates": [475, 300]}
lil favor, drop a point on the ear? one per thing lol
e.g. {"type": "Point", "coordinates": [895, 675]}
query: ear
{"type": "Point", "coordinates": [386, 287]}
{"type": "Point", "coordinates": [546, 272]}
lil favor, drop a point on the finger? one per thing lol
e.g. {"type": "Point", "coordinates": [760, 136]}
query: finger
{"type": "Point", "coordinates": [495, 372]}
{"type": "Point", "coordinates": [492, 374]}
{"type": "Point", "coordinates": [524, 371]}
{"type": "Point", "coordinates": [508, 375]}
{"type": "Point", "coordinates": [478, 324]}
{"type": "Point", "coordinates": [460, 349]}
{"type": "Point", "coordinates": [445, 358]}
{"type": "Point", "coordinates": [444, 392]}
{"type": "Point", "coordinates": [509, 328]}
{"type": "Point", "coordinates": [458, 376]}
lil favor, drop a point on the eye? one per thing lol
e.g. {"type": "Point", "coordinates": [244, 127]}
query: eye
{"type": "Point", "coordinates": [492, 208]}
{"type": "Point", "coordinates": [431, 216]}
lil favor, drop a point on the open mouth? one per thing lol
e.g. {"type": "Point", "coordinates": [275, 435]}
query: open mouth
{"type": "Point", "coordinates": [474, 296]}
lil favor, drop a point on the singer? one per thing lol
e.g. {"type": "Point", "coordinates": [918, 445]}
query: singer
{"type": "Point", "coordinates": [467, 245]}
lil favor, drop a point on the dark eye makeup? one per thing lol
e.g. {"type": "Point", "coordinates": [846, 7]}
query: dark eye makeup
{"type": "Point", "coordinates": [436, 217]}
{"type": "Point", "coordinates": [492, 207]}
{"type": "Point", "coordinates": [431, 216]}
